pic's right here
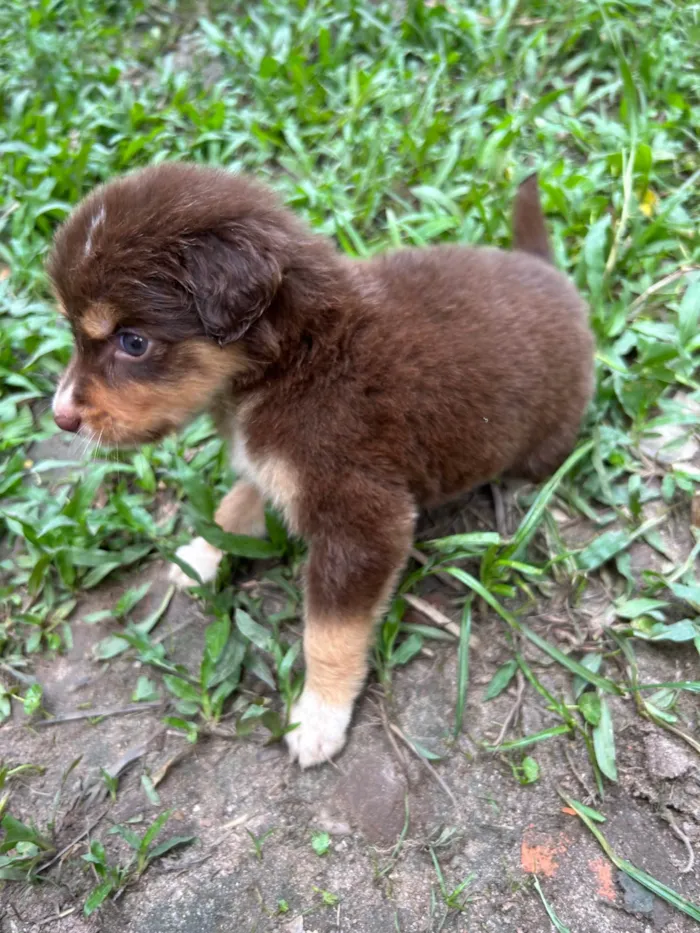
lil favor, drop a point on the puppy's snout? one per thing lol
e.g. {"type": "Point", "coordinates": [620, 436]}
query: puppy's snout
{"type": "Point", "coordinates": [65, 411]}
{"type": "Point", "coordinates": [67, 420]}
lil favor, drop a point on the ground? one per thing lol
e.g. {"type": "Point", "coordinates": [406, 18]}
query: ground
{"type": "Point", "coordinates": [541, 656]}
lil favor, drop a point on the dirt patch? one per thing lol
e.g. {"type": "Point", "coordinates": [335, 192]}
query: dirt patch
{"type": "Point", "coordinates": [477, 819]}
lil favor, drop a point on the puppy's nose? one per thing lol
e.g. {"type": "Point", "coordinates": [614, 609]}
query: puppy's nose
{"type": "Point", "coordinates": [67, 420]}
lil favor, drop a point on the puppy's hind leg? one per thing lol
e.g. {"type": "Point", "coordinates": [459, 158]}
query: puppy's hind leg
{"type": "Point", "coordinates": [240, 512]}
{"type": "Point", "coordinates": [354, 562]}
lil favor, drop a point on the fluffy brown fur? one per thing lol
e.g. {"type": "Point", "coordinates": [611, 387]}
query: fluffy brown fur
{"type": "Point", "coordinates": [354, 392]}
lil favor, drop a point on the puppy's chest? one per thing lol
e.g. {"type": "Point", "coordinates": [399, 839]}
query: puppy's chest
{"type": "Point", "coordinates": [273, 475]}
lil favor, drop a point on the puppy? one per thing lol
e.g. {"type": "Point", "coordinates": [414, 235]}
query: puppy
{"type": "Point", "coordinates": [352, 392]}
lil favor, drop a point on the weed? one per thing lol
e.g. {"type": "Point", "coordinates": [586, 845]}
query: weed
{"type": "Point", "coordinates": [258, 842]}
{"type": "Point", "coordinates": [328, 899]}
{"type": "Point", "coordinates": [452, 897]}
{"type": "Point", "coordinates": [113, 879]}
{"type": "Point", "coordinates": [321, 843]}
{"type": "Point", "coordinates": [527, 772]}
{"type": "Point", "coordinates": [22, 849]}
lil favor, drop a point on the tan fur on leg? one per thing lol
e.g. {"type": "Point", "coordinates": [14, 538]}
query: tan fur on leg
{"type": "Point", "coordinates": [240, 512]}
{"type": "Point", "coordinates": [336, 652]}
{"type": "Point", "coordinates": [336, 667]}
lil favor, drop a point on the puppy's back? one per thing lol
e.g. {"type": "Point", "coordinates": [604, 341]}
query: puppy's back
{"type": "Point", "coordinates": [489, 351]}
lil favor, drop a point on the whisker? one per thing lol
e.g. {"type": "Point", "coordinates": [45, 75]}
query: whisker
{"type": "Point", "coordinates": [87, 440]}
{"type": "Point", "coordinates": [73, 446]}
{"type": "Point", "coordinates": [98, 442]}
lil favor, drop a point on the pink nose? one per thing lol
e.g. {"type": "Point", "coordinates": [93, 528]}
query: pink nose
{"type": "Point", "coordinates": [67, 420]}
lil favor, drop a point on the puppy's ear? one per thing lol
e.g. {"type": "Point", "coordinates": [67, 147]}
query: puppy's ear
{"type": "Point", "coordinates": [231, 283]}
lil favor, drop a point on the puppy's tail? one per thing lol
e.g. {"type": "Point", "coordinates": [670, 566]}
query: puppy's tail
{"type": "Point", "coordinates": [529, 230]}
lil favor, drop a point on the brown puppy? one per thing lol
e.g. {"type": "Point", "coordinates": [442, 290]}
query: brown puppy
{"type": "Point", "coordinates": [353, 392]}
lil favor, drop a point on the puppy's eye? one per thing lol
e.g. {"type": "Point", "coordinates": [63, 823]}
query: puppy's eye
{"type": "Point", "coordinates": [133, 344]}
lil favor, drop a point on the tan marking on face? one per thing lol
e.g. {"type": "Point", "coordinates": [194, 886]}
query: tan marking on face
{"type": "Point", "coordinates": [98, 322]}
{"type": "Point", "coordinates": [61, 309]}
{"type": "Point", "coordinates": [336, 652]}
{"type": "Point", "coordinates": [140, 412]}
{"type": "Point", "coordinates": [242, 511]}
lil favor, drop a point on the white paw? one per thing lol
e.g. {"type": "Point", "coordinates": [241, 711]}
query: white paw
{"type": "Point", "coordinates": [202, 557]}
{"type": "Point", "coordinates": [321, 731]}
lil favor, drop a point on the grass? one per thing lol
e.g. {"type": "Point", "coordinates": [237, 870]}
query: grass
{"type": "Point", "coordinates": [382, 126]}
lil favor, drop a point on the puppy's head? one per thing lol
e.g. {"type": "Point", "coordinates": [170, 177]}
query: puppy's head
{"type": "Point", "coordinates": [163, 276]}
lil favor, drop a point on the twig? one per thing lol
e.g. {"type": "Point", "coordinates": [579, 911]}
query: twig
{"type": "Point", "coordinates": [97, 788]}
{"type": "Point", "coordinates": [192, 617]}
{"type": "Point", "coordinates": [624, 214]}
{"type": "Point", "coordinates": [432, 613]}
{"type": "Point", "coordinates": [591, 797]}
{"type": "Point", "coordinates": [513, 712]}
{"type": "Point", "coordinates": [10, 209]}
{"type": "Point", "coordinates": [679, 834]}
{"type": "Point", "coordinates": [97, 713]}
{"type": "Point", "coordinates": [395, 729]}
{"type": "Point", "coordinates": [387, 728]}
{"type": "Point", "coordinates": [238, 821]}
{"type": "Point", "coordinates": [421, 559]}
{"type": "Point", "coordinates": [520, 21]}
{"type": "Point", "coordinates": [70, 845]}
{"type": "Point", "coordinates": [64, 913]}
{"type": "Point", "coordinates": [662, 283]}
{"type": "Point", "coordinates": [158, 776]}
{"type": "Point", "coordinates": [19, 677]}
{"type": "Point", "coordinates": [178, 869]}
{"type": "Point", "coordinates": [499, 509]}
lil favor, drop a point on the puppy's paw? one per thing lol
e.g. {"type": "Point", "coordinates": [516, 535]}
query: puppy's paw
{"type": "Point", "coordinates": [202, 557]}
{"type": "Point", "coordinates": [321, 732]}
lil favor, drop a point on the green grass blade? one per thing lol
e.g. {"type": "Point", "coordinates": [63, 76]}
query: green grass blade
{"type": "Point", "coordinates": [530, 739]}
{"type": "Point", "coordinates": [604, 742]}
{"type": "Point", "coordinates": [463, 665]}
{"type": "Point", "coordinates": [468, 580]}
{"type": "Point", "coordinates": [641, 877]}
{"type": "Point", "coordinates": [556, 922]}
{"type": "Point", "coordinates": [531, 522]}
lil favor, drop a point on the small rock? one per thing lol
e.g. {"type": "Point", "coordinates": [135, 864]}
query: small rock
{"type": "Point", "coordinates": [270, 753]}
{"type": "Point", "coordinates": [666, 758]}
{"type": "Point", "coordinates": [333, 827]}
{"type": "Point", "coordinates": [373, 796]}
{"type": "Point", "coordinates": [637, 900]}
{"type": "Point", "coordinates": [294, 926]}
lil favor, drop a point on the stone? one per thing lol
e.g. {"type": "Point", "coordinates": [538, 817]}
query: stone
{"type": "Point", "coordinates": [637, 900]}
{"type": "Point", "coordinates": [666, 759]}
{"type": "Point", "coordinates": [372, 794]}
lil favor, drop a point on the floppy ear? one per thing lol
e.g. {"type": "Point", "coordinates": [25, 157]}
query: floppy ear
{"type": "Point", "coordinates": [231, 284]}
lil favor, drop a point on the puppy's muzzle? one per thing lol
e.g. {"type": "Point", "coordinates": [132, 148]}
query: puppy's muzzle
{"type": "Point", "coordinates": [65, 411]}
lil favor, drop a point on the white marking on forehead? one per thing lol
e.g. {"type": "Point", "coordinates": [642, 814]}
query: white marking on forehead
{"type": "Point", "coordinates": [98, 219]}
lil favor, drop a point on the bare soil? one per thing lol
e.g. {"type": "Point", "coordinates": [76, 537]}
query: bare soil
{"type": "Point", "coordinates": [468, 805]}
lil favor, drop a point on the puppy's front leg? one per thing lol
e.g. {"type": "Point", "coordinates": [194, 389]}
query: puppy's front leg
{"type": "Point", "coordinates": [240, 512]}
{"type": "Point", "coordinates": [353, 567]}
